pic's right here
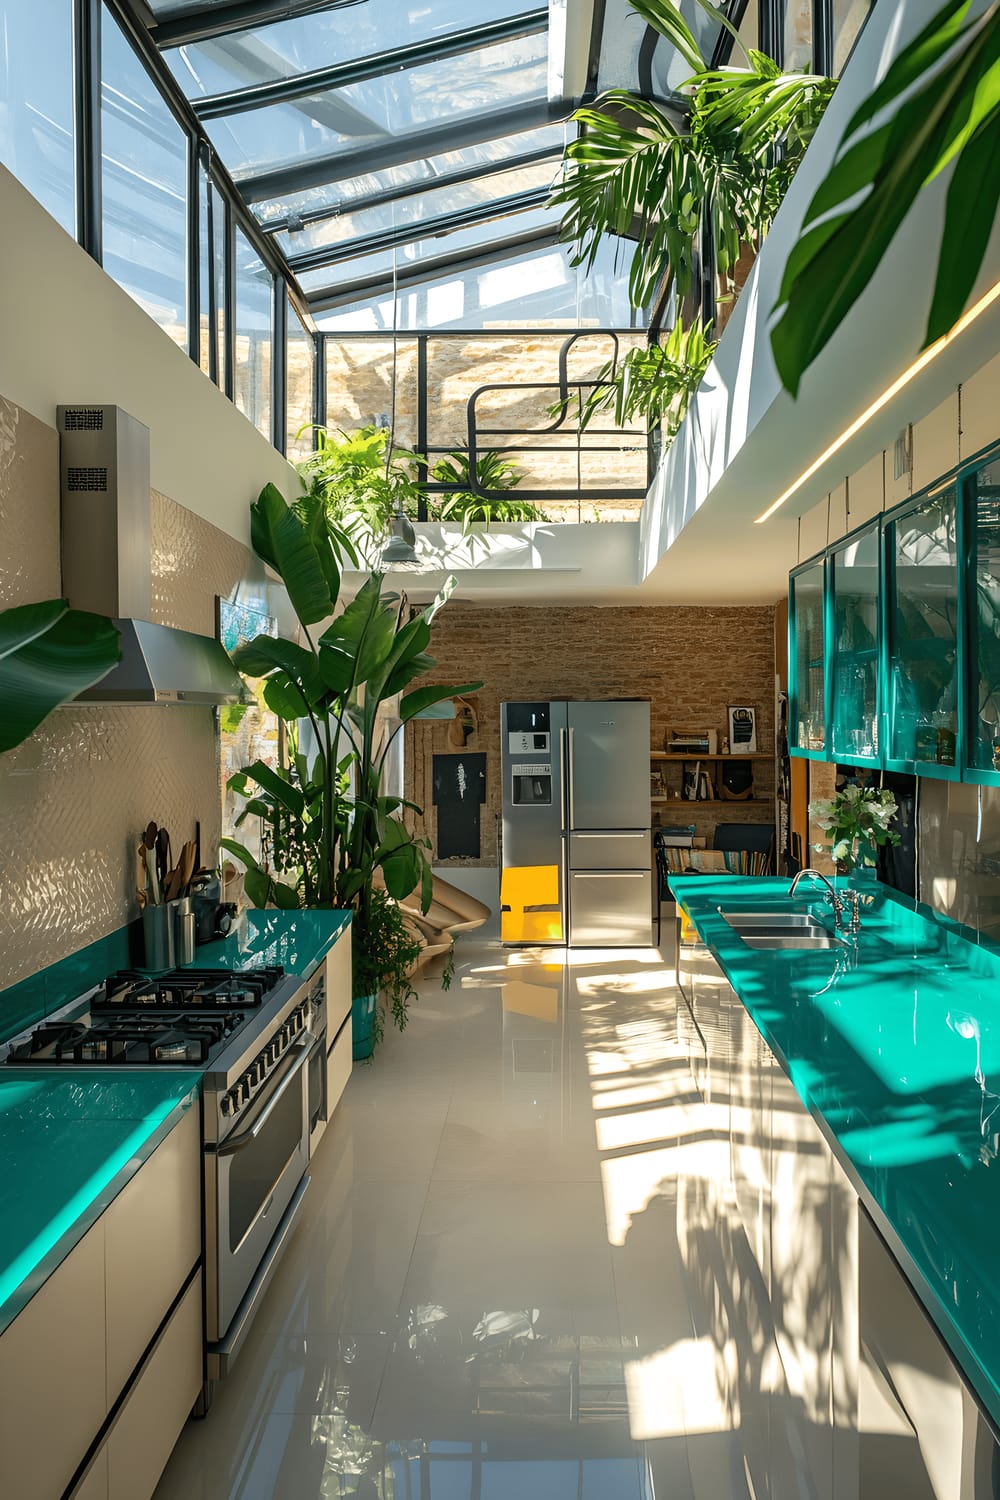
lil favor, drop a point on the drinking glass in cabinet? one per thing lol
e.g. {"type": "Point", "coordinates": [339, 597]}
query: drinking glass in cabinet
{"type": "Point", "coordinates": [809, 703]}
{"type": "Point", "coordinates": [923, 692]}
{"type": "Point", "coordinates": [855, 585]}
{"type": "Point", "coordinates": [984, 618]}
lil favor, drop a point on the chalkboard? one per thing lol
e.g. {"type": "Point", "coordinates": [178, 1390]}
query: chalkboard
{"type": "Point", "coordinates": [459, 790]}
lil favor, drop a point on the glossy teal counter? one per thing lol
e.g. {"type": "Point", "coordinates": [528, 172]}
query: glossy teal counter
{"type": "Point", "coordinates": [68, 1145]}
{"type": "Point", "coordinates": [296, 941]}
{"type": "Point", "coordinates": [893, 1044]}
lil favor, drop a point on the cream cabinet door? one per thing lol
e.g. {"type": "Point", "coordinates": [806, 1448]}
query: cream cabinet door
{"type": "Point", "coordinates": [153, 1236]}
{"type": "Point", "coordinates": [338, 984]}
{"type": "Point", "coordinates": [52, 1375]}
{"type": "Point", "coordinates": [150, 1422]}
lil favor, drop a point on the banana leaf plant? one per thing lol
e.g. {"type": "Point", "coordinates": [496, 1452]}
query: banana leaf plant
{"type": "Point", "coordinates": [48, 654]}
{"type": "Point", "coordinates": [325, 842]}
{"type": "Point", "coordinates": [937, 106]}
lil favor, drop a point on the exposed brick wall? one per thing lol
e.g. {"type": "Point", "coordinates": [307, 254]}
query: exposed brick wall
{"type": "Point", "coordinates": [691, 663]}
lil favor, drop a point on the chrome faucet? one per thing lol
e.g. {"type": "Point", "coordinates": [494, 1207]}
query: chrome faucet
{"type": "Point", "coordinates": [840, 900]}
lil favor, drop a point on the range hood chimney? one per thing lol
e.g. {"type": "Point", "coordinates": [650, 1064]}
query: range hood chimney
{"type": "Point", "coordinates": [107, 565]}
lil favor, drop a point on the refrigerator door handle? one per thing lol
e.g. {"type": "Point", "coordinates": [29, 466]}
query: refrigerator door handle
{"type": "Point", "coordinates": [569, 778]}
{"type": "Point", "coordinates": [562, 788]}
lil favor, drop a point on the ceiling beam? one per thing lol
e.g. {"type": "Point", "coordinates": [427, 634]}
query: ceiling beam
{"type": "Point", "coordinates": [337, 167]}
{"type": "Point", "coordinates": [404, 234]}
{"type": "Point", "coordinates": [200, 23]}
{"type": "Point", "coordinates": [336, 295]}
{"type": "Point", "coordinates": [363, 69]}
{"type": "Point", "coordinates": [458, 178]}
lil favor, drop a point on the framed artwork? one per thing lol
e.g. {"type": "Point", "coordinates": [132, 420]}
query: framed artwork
{"type": "Point", "coordinates": [742, 730]}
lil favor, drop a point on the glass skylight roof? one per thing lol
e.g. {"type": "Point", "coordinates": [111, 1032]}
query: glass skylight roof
{"type": "Point", "coordinates": [322, 39]}
{"type": "Point", "coordinates": [412, 253]}
{"type": "Point", "coordinates": [397, 104]}
{"type": "Point", "coordinates": [412, 211]}
{"type": "Point", "coordinates": [391, 137]}
{"type": "Point", "coordinates": [412, 174]}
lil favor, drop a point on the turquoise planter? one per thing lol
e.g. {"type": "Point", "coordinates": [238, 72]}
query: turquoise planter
{"type": "Point", "coordinates": [363, 1026]}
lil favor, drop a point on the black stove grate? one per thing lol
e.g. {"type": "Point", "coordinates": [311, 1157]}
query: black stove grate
{"type": "Point", "coordinates": [185, 989]}
{"type": "Point", "coordinates": [181, 1041]}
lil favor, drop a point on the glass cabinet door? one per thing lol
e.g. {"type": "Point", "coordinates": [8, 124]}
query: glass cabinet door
{"type": "Point", "coordinates": [923, 659]}
{"type": "Point", "coordinates": [983, 737]}
{"type": "Point", "coordinates": [807, 660]}
{"type": "Point", "coordinates": [854, 585]}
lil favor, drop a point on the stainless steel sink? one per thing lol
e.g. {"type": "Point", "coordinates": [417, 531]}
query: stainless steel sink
{"type": "Point", "coordinates": [781, 929]}
{"type": "Point", "coordinates": [783, 920]}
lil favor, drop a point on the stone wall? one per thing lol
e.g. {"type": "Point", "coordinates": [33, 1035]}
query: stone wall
{"type": "Point", "coordinates": [690, 663]}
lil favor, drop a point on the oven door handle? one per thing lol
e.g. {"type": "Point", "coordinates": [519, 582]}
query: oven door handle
{"type": "Point", "coordinates": [307, 1047]}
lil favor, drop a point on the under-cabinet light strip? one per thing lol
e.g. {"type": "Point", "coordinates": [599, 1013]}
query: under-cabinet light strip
{"type": "Point", "coordinates": [920, 363]}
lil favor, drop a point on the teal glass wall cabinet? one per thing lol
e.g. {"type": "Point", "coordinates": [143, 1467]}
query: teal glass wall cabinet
{"type": "Point", "coordinates": [808, 660]}
{"type": "Point", "coordinates": [922, 657]}
{"type": "Point", "coordinates": [982, 580]}
{"type": "Point", "coordinates": [854, 594]}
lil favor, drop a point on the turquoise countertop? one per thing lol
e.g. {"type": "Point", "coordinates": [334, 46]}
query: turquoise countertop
{"type": "Point", "coordinates": [68, 1145]}
{"type": "Point", "coordinates": [893, 1044]}
{"type": "Point", "coordinates": [295, 940]}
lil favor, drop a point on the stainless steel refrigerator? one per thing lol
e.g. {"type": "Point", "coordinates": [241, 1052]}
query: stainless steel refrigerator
{"type": "Point", "coordinates": [576, 854]}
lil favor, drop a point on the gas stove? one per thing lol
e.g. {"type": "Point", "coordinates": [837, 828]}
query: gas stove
{"type": "Point", "coordinates": [186, 1018]}
{"type": "Point", "coordinates": [258, 1039]}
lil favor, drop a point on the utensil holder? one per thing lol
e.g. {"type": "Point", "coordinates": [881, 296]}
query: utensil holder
{"type": "Point", "coordinates": [158, 936]}
{"type": "Point", "coordinates": [183, 926]}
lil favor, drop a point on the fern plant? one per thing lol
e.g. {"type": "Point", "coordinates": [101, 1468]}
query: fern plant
{"type": "Point", "coordinates": [493, 472]}
{"type": "Point", "coordinates": [655, 382]}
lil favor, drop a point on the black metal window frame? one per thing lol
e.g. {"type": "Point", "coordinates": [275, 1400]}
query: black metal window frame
{"type": "Point", "coordinates": [203, 165]}
{"type": "Point", "coordinates": [432, 451]}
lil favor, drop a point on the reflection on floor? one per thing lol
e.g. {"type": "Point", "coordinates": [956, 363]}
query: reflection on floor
{"type": "Point", "coordinates": [489, 1296]}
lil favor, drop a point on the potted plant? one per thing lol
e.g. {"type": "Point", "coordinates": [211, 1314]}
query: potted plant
{"type": "Point", "coordinates": [857, 821]}
{"type": "Point", "coordinates": [384, 952]}
{"type": "Point", "coordinates": [363, 481]}
{"type": "Point", "coordinates": [329, 831]}
{"type": "Point", "coordinates": [470, 505]}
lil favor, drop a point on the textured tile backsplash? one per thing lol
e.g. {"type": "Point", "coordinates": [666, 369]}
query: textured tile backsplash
{"type": "Point", "coordinates": [74, 797]}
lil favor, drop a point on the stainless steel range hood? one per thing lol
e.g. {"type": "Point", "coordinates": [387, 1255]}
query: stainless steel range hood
{"type": "Point", "coordinates": [107, 565]}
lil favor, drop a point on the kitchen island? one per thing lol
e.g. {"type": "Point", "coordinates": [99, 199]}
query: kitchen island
{"type": "Point", "coordinates": [888, 1044]}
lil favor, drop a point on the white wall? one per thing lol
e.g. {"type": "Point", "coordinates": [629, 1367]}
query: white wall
{"type": "Point", "coordinates": [70, 334]}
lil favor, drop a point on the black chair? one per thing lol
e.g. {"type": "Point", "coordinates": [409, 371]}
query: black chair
{"type": "Point", "coordinates": [747, 838]}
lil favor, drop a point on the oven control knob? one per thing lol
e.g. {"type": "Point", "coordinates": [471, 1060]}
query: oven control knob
{"type": "Point", "coordinates": [226, 1105]}
{"type": "Point", "coordinates": [244, 1089]}
{"type": "Point", "coordinates": [274, 1050]}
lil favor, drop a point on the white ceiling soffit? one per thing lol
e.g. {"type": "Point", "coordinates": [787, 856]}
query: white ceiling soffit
{"type": "Point", "coordinates": [532, 563]}
{"type": "Point", "coordinates": [745, 441]}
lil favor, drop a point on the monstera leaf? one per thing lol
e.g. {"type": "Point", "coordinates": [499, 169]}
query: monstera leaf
{"type": "Point", "coordinates": [48, 654]}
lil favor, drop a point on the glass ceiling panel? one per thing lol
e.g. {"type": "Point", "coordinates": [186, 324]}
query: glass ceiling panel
{"type": "Point", "coordinates": [381, 109]}
{"type": "Point", "coordinates": [413, 173]}
{"type": "Point", "coordinates": [407, 256]}
{"type": "Point", "coordinates": [302, 43]}
{"type": "Point", "coordinates": [415, 210]}
{"type": "Point", "coordinates": [533, 286]}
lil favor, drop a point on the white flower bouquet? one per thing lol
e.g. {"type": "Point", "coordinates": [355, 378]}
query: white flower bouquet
{"type": "Point", "coordinates": [857, 822]}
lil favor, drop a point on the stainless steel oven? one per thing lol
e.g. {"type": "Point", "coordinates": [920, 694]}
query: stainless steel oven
{"type": "Point", "coordinates": [255, 1169]}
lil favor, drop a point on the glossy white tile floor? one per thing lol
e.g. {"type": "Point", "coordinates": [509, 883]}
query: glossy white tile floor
{"type": "Point", "coordinates": [487, 1298]}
